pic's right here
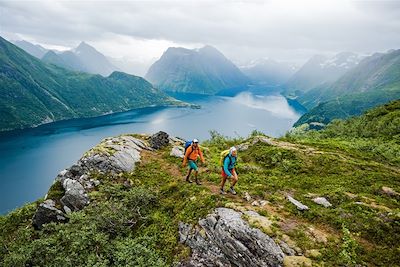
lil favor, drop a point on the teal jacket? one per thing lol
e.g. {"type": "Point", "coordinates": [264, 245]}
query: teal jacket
{"type": "Point", "coordinates": [229, 164]}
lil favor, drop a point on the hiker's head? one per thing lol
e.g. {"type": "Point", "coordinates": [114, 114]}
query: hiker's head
{"type": "Point", "coordinates": [195, 142]}
{"type": "Point", "coordinates": [233, 151]}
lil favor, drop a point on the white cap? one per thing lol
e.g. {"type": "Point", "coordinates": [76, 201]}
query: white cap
{"type": "Point", "coordinates": [232, 149]}
{"type": "Point", "coordinates": [195, 141]}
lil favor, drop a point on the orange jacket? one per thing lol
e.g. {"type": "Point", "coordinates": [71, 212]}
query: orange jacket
{"type": "Point", "coordinates": [192, 154]}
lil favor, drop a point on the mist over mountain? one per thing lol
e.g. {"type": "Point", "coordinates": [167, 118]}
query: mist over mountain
{"type": "Point", "coordinates": [33, 49]}
{"type": "Point", "coordinates": [131, 66]}
{"type": "Point", "coordinates": [204, 71]}
{"type": "Point", "coordinates": [267, 71]}
{"type": "Point", "coordinates": [319, 70]}
{"type": "Point", "coordinates": [82, 58]}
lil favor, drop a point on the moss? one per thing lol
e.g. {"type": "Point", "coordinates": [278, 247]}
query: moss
{"type": "Point", "coordinates": [56, 191]}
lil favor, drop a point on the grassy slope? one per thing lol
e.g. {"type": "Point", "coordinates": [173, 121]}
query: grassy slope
{"type": "Point", "coordinates": [138, 224]}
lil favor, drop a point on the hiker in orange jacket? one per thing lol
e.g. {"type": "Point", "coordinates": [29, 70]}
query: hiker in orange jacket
{"type": "Point", "coordinates": [191, 155]}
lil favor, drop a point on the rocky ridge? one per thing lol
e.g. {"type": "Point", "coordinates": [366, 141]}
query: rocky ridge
{"type": "Point", "coordinates": [112, 156]}
{"type": "Point", "coordinates": [225, 237]}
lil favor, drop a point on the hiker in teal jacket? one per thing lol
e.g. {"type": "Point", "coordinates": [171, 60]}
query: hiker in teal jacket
{"type": "Point", "coordinates": [228, 170]}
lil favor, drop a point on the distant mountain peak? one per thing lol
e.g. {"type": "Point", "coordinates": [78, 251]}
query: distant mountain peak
{"type": "Point", "coordinates": [201, 70]}
{"type": "Point", "coordinates": [85, 48]}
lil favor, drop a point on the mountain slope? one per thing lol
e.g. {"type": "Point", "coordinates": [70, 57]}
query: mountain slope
{"type": "Point", "coordinates": [203, 71]}
{"type": "Point", "coordinates": [35, 50]}
{"type": "Point", "coordinates": [67, 60]}
{"type": "Point", "coordinates": [376, 80]}
{"type": "Point", "coordinates": [33, 93]}
{"type": "Point", "coordinates": [320, 70]}
{"type": "Point", "coordinates": [83, 58]}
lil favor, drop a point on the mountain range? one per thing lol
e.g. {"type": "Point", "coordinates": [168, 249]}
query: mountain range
{"type": "Point", "coordinates": [203, 71]}
{"type": "Point", "coordinates": [375, 80]}
{"type": "Point", "coordinates": [33, 92]}
{"type": "Point", "coordinates": [337, 87]}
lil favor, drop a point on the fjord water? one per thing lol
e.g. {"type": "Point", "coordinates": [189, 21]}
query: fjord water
{"type": "Point", "coordinates": [30, 159]}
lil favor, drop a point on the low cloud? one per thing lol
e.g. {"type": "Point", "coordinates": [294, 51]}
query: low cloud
{"type": "Point", "coordinates": [284, 30]}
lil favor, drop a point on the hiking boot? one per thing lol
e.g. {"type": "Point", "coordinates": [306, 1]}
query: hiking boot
{"type": "Point", "coordinates": [222, 192]}
{"type": "Point", "coordinates": [198, 182]}
{"type": "Point", "coordinates": [232, 191]}
{"type": "Point", "coordinates": [188, 180]}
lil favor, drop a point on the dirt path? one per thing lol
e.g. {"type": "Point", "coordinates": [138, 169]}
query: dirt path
{"type": "Point", "coordinates": [287, 221]}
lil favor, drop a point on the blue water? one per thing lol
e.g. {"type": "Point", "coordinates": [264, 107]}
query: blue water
{"type": "Point", "coordinates": [30, 159]}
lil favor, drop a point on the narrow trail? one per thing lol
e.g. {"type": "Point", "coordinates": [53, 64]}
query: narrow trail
{"type": "Point", "coordinates": [287, 221]}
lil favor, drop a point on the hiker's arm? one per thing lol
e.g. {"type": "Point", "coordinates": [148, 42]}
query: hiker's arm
{"type": "Point", "coordinates": [226, 165]}
{"type": "Point", "coordinates": [201, 156]}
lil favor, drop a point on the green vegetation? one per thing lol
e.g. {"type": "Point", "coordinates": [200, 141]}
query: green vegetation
{"type": "Point", "coordinates": [374, 135]}
{"type": "Point", "coordinates": [133, 219]}
{"type": "Point", "coordinates": [33, 92]}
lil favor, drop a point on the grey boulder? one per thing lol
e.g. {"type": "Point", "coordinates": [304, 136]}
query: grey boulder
{"type": "Point", "coordinates": [113, 155]}
{"type": "Point", "coordinates": [46, 213]}
{"type": "Point", "coordinates": [159, 140]}
{"type": "Point", "coordinates": [223, 238]}
{"type": "Point", "coordinates": [75, 197]}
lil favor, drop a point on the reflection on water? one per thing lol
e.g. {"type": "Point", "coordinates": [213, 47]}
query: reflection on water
{"type": "Point", "coordinates": [30, 159]}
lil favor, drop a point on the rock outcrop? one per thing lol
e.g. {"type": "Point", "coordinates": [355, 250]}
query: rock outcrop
{"type": "Point", "coordinates": [159, 140]}
{"type": "Point", "coordinates": [75, 197]}
{"type": "Point", "coordinates": [112, 156]}
{"type": "Point", "coordinates": [46, 213]}
{"type": "Point", "coordinates": [224, 238]}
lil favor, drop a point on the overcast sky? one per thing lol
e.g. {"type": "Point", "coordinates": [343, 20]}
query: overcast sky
{"type": "Point", "coordinates": [242, 30]}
